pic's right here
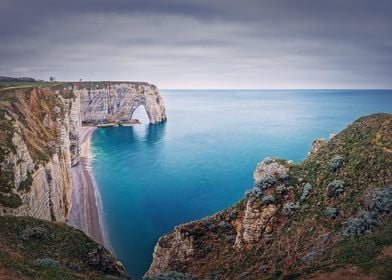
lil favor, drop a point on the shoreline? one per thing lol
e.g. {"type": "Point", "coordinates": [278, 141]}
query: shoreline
{"type": "Point", "coordinates": [86, 211]}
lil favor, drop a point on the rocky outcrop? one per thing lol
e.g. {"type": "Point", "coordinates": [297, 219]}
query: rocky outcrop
{"type": "Point", "coordinates": [289, 226]}
{"type": "Point", "coordinates": [116, 101]}
{"type": "Point", "coordinates": [259, 212]}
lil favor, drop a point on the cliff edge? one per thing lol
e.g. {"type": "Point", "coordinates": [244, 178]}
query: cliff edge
{"type": "Point", "coordinates": [328, 217]}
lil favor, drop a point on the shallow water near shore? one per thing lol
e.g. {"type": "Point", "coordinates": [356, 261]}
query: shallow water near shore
{"type": "Point", "coordinates": [153, 177]}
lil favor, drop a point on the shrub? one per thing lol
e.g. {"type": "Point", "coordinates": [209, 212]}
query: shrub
{"type": "Point", "coordinates": [33, 233]}
{"type": "Point", "coordinates": [267, 181]}
{"type": "Point", "coordinates": [248, 193]}
{"type": "Point", "coordinates": [268, 199]}
{"type": "Point", "coordinates": [26, 184]}
{"type": "Point", "coordinates": [335, 163]}
{"type": "Point", "coordinates": [331, 212]}
{"type": "Point", "coordinates": [281, 189]}
{"type": "Point", "coordinates": [360, 225]}
{"type": "Point", "coordinates": [173, 275]}
{"type": "Point", "coordinates": [268, 160]}
{"type": "Point", "coordinates": [289, 208]}
{"type": "Point", "coordinates": [307, 188]}
{"type": "Point", "coordinates": [381, 200]}
{"type": "Point", "coordinates": [336, 188]}
{"type": "Point", "coordinates": [47, 263]}
{"type": "Point", "coordinates": [12, 200]}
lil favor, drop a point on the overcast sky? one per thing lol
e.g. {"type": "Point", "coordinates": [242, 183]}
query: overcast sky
{"type": "Point", "coordinates": [201, 43]}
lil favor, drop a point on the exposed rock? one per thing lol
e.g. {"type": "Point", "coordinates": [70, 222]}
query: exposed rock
{"type": "Point", "coordinates": [270, 167]}
{"type": "Point", "coordinates": [316, 146]}
{"type": "Point", "coordinates": [299, 231]}
{"type": "Point", "coordinates": [39, 139]}
{"type": "Point", "coordinates": [254, 224]}
{"type": "Point", "coordinates": [117, 101]}
{"type": "Point", "coordinates": [40, 156]}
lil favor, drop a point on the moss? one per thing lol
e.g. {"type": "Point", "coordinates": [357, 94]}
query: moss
{"type": "Point", "coordinates": [26, 184]}
{"type": "Point", "coordinates": [68, 246]}
{"type": "Point", "coordinates": [11, 200]}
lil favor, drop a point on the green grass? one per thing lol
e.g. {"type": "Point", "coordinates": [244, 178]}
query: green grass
{"type": "Point", "coordinates": [62, 243]}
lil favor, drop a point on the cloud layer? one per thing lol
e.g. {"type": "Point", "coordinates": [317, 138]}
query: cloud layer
{"type": "Point", "coordinates": [201, 44]}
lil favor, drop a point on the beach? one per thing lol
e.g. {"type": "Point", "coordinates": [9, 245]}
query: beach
{"type": "Point", "coordinates": [86, 210]}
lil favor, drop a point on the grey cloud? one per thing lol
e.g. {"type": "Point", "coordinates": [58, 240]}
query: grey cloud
{"type": "Point", "coordinates": [173, 43]}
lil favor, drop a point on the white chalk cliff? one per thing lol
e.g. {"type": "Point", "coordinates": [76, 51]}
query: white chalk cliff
{"type": "Point", "coordinates": [118, 101]}
{"type": "Point", "coordinates": [39, 139]}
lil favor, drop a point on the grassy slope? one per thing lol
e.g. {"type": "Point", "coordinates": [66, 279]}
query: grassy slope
{"type": "Point", "coordinates": [366, 148]}
{"type": "Point", "coordinates": [70, 247]}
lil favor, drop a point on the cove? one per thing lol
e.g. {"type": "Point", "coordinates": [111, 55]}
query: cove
{"type": "Point", "coordinates": [153, 177]}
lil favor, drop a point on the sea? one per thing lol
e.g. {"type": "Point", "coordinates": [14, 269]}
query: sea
{"type": "Point", "coordinates": [154, 177]}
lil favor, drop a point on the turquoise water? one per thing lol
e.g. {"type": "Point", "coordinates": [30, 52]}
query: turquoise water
{"type": "Point", "coordinates": [153, 177]}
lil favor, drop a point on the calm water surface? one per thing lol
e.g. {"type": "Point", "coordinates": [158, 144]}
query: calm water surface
{"type": "Point", "coordinates": [153, 177]}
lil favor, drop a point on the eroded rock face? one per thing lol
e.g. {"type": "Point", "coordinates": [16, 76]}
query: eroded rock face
{"type": "Point", "coordinates": [316, 146]}
{"type": "Point", "coordinates": [118, 101]}
{"type": "Point", "coordinates": [259, 217]}
{"type": "Point", "coordinates": [41, 184]}
{"type": "Point", "coordinates": [179, 244]}
{"type": "Point", "coordinates": [288, 224]}
{"type": "Point", "coordinates": [257, 221]}
{"type": "Point", "coordinates": [39, 139]}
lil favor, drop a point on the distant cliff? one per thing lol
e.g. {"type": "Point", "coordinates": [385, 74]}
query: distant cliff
{"type": "Point", "coordinates": [116, 101]}
{"type": "Point", "coordinates": [328, 217]}
{"type": "Point", "coordinates": [39, 138]}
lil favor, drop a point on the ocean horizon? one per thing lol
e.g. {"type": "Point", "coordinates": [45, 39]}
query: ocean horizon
{"type": "Point", "coordinates": [154, 177]}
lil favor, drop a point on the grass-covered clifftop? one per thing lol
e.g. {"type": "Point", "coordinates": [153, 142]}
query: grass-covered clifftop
{"type": "Point", "coordinates": [328, 217]}
{"type": "Point", "coordinates": [37, 249]}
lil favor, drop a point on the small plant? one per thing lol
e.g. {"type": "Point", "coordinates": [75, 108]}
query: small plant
{"type": "Point", "coordinates": [360, 225]}
{"type": "Point", "coordinates": [281, 189]}
{"type": "Point", "coordinates": [336, 188]}
{"type": "Point", "coordinates": [47, 263]}
{"type": "Point", "coordinates": [268, 160]}
{"type": "Point", "coordinates": [267, 181]}
{"type": "Point", "coordinates": [289, 208]}
{"type": "Point", "coordinates": [268, 199]}
{"type": "Point", "coordinates": [331, 212]}
{"type": "Point", "coordinates": [11, 200]}
{"type": "Point", "coordinates": [173, 275]}
{"type": "Point", "coordinates": [33, 233]}
{"type": "Point", "coordinates": [381, 200]}
{"type": "Point", "coordinates": [26, 184]}
{"type": "Point", "coordinates": [336, 163]}
{"type": "Point", "coordinates": [307, 188]}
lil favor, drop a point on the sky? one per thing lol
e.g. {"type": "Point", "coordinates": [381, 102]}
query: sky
{"type": "Point", "coordinates": [201, 43]}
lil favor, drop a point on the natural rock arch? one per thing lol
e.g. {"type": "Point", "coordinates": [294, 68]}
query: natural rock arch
{"type": "Point", "coordinates": [118, 101]}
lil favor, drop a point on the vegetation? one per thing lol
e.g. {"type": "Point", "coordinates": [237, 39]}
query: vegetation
{"type": "Point", "coordinates": [332, 216]}
{"type": "Point", "coordinates": [336, 188]}
{"type": "Point", "coordinates": [171, 276]}
{"type": "Point", "coordinates": [38, 249]}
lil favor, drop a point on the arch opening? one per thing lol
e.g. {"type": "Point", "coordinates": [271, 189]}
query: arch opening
{"type": "Point", "coordinates": [140, 113]}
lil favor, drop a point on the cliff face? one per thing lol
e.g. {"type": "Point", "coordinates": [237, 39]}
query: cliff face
{"type": "Point", "coordinates": [39, 144]}
{"type": "Point", "coordinates": [326, 217]}
{"type": "Point", "coordinates": [39, 138]}
{"type": "Point", "coordinates": [116, 101]}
